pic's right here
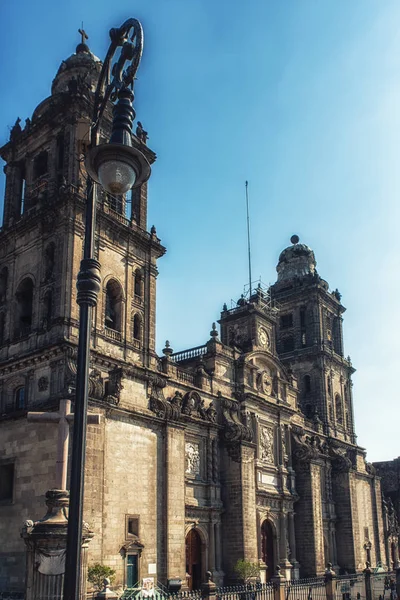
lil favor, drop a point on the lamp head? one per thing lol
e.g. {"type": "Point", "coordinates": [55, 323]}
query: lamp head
{"type": "Point", "coordinates": [117, 167]}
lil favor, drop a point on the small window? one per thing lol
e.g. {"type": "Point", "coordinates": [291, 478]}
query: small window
{"type": "Point", "coordinates": [23, 313]}
{"type": "Point", "coordinates": [132, 525]}
{"type": "Point", "coordinates": [113, 306]}
{"type": "Point", "coordinates": [20, 398]}
{"type": "Point", "coordinates": [338, 408]}
{"type": "Point", "coordinates": [116, 203]}
{"type": "Point", "coordinates": [138, 284]}
{"type": "Point", "coordinates": [286, 321]}
{"type": "Point", "coordinates": [6, 482]}
{"type": "Point", "coordinates": [40, 166]}
{"type": "Point", "coordinates": [137, 326]}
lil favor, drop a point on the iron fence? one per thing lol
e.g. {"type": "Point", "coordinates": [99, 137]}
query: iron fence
{"type": "Point", "coordinates": [256, 591]}
{"type": "Point", "coordinates": [306, 589]}
{"type": "Point", "coordinates": [350, 587]}
{"type": "Point", "coordinates": [383, 586]}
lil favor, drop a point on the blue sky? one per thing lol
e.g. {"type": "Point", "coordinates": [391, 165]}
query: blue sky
{"type": "Point", "coordinates": [301, 98]}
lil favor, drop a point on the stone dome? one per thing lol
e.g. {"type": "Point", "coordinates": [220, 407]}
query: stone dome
{"type": "Point", "coordinates": [297, 260]}
{"type": "Point", "coordinates": [81, 68]}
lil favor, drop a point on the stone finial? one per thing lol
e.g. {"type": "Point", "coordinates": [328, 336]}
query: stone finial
{"type": "Point", "coordinates": [224, 308]}
{"type": "Point", "coordinates": [167, 351]}
{"type": "Point", "coordinates": [214, 332]}
{"type": "Point", "coordinates": [106, 592]}
{"type": "Point", "coordinates": [208, 588]}
{"type": "Point", "coordinates": [329, 572]}
{"type": "Point", "coordinates": [295, 239]}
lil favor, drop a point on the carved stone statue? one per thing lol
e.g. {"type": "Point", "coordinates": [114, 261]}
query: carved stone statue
{"type": "Point", "coordinates": [267, 445]}
{"type": "Point", "coordinates": [192, 455]}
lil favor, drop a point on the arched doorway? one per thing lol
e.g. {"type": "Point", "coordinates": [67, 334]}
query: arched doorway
{"type": "Point", "coordinates": [267, 548]}
{"type": "Point", "coordinates": [193, 560]}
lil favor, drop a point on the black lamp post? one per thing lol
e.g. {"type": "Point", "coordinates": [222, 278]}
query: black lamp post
{"type": "Point", "coordinates": [118, 167]}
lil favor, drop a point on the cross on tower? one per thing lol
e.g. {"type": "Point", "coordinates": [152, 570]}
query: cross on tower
{"type": "Point", "coordinates": [83, 34]}
{"type": "Point", "coordinates": [63, 418]}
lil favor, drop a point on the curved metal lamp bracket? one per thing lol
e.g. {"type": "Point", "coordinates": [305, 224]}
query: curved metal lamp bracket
{"type": "Point", "coordinates": [129, 37]}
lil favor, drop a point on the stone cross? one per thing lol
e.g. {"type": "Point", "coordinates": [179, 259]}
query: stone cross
{"type": "Point", "coordinates": [63, 418]}
{"type": "Point", "coordinates": [83, 34]}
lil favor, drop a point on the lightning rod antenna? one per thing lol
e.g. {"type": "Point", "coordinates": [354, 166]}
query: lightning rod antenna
{"type": "Point", "coordinates": [248, 234]}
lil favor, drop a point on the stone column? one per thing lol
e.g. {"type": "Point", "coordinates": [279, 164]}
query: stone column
{"type": "Point", "coordinates": [211, 553]}
{"type": "Point", "coordinates": [46, 542]}
{"type": "Point", "coordinates": [286, 566]}
{"type": "Point", "coordinates": [218, 546]}
{"type": "Point", "coordinates": [292, 544]}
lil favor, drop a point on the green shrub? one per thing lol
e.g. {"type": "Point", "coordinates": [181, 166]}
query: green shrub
{"type": "Point", "coordinates": [97, 573]}
{"type": "Point", "coordinates": [247, 570]}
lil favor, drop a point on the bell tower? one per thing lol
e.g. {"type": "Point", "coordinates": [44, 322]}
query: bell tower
{"type": "Point", "coordinates": [310, 340]}
{"type": "Point", "coordinates": [41, 245]}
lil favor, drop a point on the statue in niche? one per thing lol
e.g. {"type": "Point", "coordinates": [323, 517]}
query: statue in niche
{"type": "Point", "coordinates": [192, 455]}
{"type": "Point", "coordinates": [267, 445]}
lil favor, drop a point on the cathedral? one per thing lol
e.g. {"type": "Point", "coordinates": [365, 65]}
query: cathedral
{"type": "Point", "coordinates": [243, 447]}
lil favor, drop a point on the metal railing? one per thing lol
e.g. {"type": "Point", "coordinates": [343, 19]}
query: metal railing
{"type": "Point", "coordinates": [350, 587]}
{"type": "Point", "coordinates": [256, 591]}
{"type": "Point", "coordinates": [313, 588]}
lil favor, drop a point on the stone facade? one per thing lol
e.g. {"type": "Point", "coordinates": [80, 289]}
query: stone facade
{"type": "Point", "coordinates": [389, 472]}
{"type": "Point", "coordinates": [243, 447]}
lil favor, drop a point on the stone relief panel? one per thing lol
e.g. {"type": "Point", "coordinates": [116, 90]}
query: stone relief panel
{"type": "Point", "coordinates": [192, 459]}
{"type": "Point", "coordinates": [267, 445]}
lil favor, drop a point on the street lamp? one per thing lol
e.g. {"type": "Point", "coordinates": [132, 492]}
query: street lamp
{"type": "Point", "coordinates": [117, 166]}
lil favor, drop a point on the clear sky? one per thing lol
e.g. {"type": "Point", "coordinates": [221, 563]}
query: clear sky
{"type": "Point", "coordinates": [300, 97]}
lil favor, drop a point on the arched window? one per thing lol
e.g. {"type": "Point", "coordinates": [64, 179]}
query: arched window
{"type": "Point", "coordinates": [113, 317]}
{"type": "Point", "coordinates": [339, 410]}
{"type": "Point", "coordinates": [331, 415]}
{"type": "Point", "coordinates": [20, 398]}
{"type": "Point", "coordinates": [40, 165]}
{"type": "Point", "coordinates": [116, 203]}
{"type": "Point", "coordinates": [136, 327]}
{"type": "Point", "coordinates": [306, 385]}
{"type": "Point", "coordinates": [138, 283]}
{"type": "Point", "coordinates": [24, 297]}
{"type": "Point", "coordinates": [3, 284]}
